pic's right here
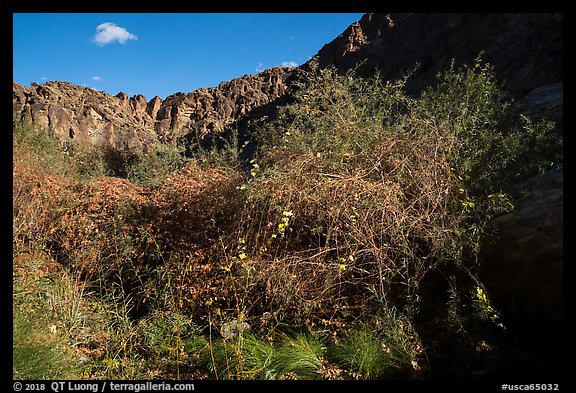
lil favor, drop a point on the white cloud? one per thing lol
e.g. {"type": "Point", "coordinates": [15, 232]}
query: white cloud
{"type": "Point", "coordinates": [260, 67]}
{"type": "Point", "coordinates": [109, 32]}
{"type": "Point", "coordinates": [97, 78]}
{"type": "Point", "coordinates": [289, 64]}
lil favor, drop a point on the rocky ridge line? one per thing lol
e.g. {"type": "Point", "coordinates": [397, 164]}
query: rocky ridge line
{"type": "Point", "coordinates": [77, 113]}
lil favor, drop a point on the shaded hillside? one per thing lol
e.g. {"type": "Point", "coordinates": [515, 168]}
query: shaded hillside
{"type": "Point", "coordinates": [526, 50]}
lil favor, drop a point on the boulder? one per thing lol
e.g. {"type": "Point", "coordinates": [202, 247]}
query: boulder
{"type": "Point", "coordinates": [543, 101]}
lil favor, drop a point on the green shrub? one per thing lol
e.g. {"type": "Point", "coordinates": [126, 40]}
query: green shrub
{"type": "Point", "coordinates": [91, 162]}
{"type": "Point", "coordinates": [491, 147]}
{"type": "Point", "coordinates": [153, 167]}
{"type": "Point", "coordinates": [164, 333]}
{"type": "Point", "coordinates": [42, 150]}
{"type": "Point", "coordinates": [215, 151]}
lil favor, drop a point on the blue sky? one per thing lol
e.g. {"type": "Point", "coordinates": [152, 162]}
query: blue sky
{"type": "Point", "coordinates": [162, 54]}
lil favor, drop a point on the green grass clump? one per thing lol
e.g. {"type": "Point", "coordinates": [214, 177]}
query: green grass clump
{"type": "Point", "coordinates": [257, 358]}
{"type": "Point", "coordinates": [363, 353]}
{"type": "Point", "coordinates": [300, 356]}
{"type": "Point", "coordinates": [43, 319]}
{"type": "Point", "coordinates": [242, 357]}
{"type": "Point", "coordinates": [386, 347]}
{"type": "Point", "coordinates": [371, 355]}
{"type": "Point", "coordinates": [250, 357]}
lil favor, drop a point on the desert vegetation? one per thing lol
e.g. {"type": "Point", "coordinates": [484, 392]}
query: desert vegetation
{"type": "Point", "coordinates": [345, 246]}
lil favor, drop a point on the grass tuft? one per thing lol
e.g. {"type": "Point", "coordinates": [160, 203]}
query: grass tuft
{"type": "Point", "coordinates": [300, 355]}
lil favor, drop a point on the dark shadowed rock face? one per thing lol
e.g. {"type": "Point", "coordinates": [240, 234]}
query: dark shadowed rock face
{"type": "Point", "coordinates": [86, 115]}
{"type": "Point", "coordinates": [542, 101]}
{"type": "Point", "coordinates": [526, 50]}
{"type": "Point", "coordinates": [524, 269]}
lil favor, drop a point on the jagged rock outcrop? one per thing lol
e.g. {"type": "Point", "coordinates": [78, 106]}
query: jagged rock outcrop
{"type": "Point", "coordinates": [86, 115]}
{"type": "Point", "coordinates": [525, 50]}
{"type": "Point", "coordinates": [83, 114]}
{"type": "Point", "coordinates": [213, 109]}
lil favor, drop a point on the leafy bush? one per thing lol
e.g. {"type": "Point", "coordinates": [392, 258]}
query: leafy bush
{"type": "Point", "coordinates": [215, 151]}
{"type": "Point", "coordinates": [153, 167]}
{"type": "Point", "coordinates": [491, 147]}
{"type": "Point", "coordinates": [43, 149]}
{"type": "Point", "coordinates": [381, 188]}
{"type": "Point", "coordinates": [91, 162]}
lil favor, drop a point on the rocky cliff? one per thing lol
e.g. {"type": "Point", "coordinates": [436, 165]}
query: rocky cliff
{"type": "Point", "coordinates": [526, 51]}
{"type": "Point", "coordinates": [524, 269]}
{"type": "Point", "coordinates": [78, 113]}
{"type": "Point", "coordinates": [85, 115]}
